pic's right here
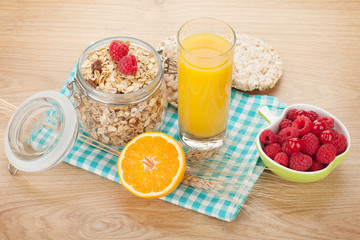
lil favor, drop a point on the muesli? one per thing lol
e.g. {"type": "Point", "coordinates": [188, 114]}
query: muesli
{"type": "Point", "coordinates": [123, 69]}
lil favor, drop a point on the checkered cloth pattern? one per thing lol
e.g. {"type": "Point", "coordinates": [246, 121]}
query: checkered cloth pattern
{"type": "Point", "coordinates": [243, 160]}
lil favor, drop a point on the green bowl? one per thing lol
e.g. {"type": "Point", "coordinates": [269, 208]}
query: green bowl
{"type": "Point", "coordinates": [290, 174]}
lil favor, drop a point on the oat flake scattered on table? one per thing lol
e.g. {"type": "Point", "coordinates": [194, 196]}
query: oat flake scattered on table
{"type": "Point", "coordinates": [256, 65]}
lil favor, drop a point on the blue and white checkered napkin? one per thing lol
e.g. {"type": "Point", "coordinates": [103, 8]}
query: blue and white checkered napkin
{"type": "Point", "coordinates": [243, 127]}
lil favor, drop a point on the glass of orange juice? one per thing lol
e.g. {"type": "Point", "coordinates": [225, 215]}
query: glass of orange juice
{"type": "Point", "coordinates": [205, 63]}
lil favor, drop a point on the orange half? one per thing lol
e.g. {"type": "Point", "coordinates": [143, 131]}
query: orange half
{"type": "Point", "coordinates": [151, 165]}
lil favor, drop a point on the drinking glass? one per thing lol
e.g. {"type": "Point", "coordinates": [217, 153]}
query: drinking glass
{"type": "Point", "coordinates": [205, 63]}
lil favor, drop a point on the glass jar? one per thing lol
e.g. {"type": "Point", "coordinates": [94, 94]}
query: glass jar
{"type": "Point", "coordinates": [44, 128]}
{"type": "Point", "coordinates": [115, 119]}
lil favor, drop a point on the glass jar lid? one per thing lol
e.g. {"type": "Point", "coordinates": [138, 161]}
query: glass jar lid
{"type": "Point", "coordinates": [42, 132]}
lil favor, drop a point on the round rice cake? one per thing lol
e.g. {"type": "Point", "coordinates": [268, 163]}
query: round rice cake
{"type": "Point", "coordinates": [256, 65]}
{"type": "Point", "coordinates": [169, 47]}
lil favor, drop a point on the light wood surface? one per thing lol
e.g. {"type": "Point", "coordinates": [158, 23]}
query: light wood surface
{"type": "Point", "coordinates": [319, 42]}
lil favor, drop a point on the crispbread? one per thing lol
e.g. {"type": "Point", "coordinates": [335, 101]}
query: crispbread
{"type": "Point", "coordinates": [256, 65]}
{"type": "Point", "coordinates": [169, 47]}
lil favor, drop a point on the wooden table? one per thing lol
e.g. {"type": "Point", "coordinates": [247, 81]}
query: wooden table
{"type": "Point", "coordinates": [320, 46]}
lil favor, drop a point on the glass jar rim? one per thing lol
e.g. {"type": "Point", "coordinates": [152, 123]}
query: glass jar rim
{"type": "Point", "coordinates": [125, 98]}
{"type": "Point", "coordinates": [213, 19]}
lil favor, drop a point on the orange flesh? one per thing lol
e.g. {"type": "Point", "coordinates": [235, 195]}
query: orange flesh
{"type": "Point", "coordinates": [157, 179]}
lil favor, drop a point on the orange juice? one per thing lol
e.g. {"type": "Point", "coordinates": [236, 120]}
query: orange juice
{"type": "Point", "coordinates": [204, 76]}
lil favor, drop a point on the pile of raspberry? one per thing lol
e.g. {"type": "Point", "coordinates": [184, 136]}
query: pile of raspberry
{"type": "Point", "coordinates": [127, 64]}
{"type": "Point", "coordinates": [305, 141]}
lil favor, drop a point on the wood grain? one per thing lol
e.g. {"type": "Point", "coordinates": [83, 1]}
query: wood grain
{"type": "Point", "coordinates": [319, 42]}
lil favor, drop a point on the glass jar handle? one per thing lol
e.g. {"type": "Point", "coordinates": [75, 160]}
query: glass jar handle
{"type": "Point", "coordinates": [71, 86]}
{"type": "Point", "coordinates": [170, 65]}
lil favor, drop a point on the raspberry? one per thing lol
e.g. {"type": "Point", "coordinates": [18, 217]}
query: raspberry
{"type": "Point", "coordinates": [118, 50]}
{"type": "Point", "coordinates": [267, 137]}
{"type": "Point", "coordinates": [291, 114]}
{"type": "Point", "coordinates": [295, 144]}
{"type": "Point", "coordinates": [335, 133]}
{"type": "Point", "coordinates": [340, 144]}
{"type": "Point", "coordinates": [128, 65]}
{"type": "Point", "coordinates": [326, 153]}
{"type": "Point", "coordinates": [310, 144]}
{"type": "Point", "coordinates": [272, 149]}
{"type": "Point", "coordinates": [327, 136]}
{"type": "Point", "coordinates": [286, 148]}
{"type": "Point", "coordinates": [312, 115]}
{"type": "Point", "coordinates": [318, 127]}
{"type": "Point", "coordinates": [316, 166]}
{"type": "Point", "coordinates": [299, 113]}
{"type": "Point", "coordinates": [282, 159]}
{"type": "Point", "coordinates": [328, 121]}
{"type": "Point", "coordinates": [303, 125]}
{"type": "Point", "coordinates": [286, 134]}
{"type": "Point", "coordinates": [300, 162]}
{"type": "Point", "coordinates": [285, 123]}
